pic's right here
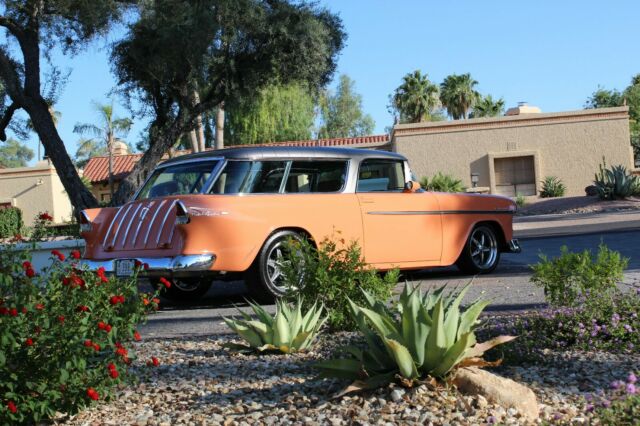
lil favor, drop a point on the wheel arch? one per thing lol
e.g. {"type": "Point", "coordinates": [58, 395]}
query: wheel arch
{"type": "Point", "coordinates": [497, 228]}
{"type": "Point", "coordinates": [296, 229]}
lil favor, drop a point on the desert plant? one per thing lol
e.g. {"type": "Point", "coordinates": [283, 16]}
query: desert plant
{"type": "Point", "coordinates": [428, 336]}
{"type": "Point", "coordinates": [521, 201]}
{"type": "Point", "coordinates": [332, 274]}
{"type": "Point", "coordinates": [287, 331]}
{"type": "Point", "coordinates": [552, 187]}
{"type": "Point", "coordinates": [441, 182]}
{"type": "Point", "coordinates": [10, 222]}
{"type": "Point", "coordinates": [615, 183]}
{"type": "Point", "coordinates": [570, 277]}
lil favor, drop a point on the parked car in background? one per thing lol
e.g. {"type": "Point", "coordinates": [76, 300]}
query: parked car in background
{"type": "Point", "coordinates": [222, 213]}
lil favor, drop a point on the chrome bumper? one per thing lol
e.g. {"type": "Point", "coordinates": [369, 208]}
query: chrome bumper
{"type": "Point", "coordinates": [160, 266]}
{"type": "Point", "coordinates": [514, 246]}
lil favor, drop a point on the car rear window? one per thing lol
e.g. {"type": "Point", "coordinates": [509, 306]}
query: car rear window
{"type": "Point", "coordinates": [316, 176]}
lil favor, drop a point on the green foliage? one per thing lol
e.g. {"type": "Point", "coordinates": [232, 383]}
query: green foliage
{"type": "Point", "coordinates": [288, 331]}
{"type": "Point", "coordinates": [277, 113]}
{"type": "Point", "coordinates": [416, 99]}
{"type": "Point", "coordinates": [521, 201]}
{"type": "Point", "coordinates": [486, 106]}
{"type": "Point", "coordinates": [10, 222]}
{"type": "Point", "coordinates": [14, 154]}
{"type": "Point", "coordinates": [64, 335]}
{"type": "Point", "coordinates": [427, 335]}
{"type": "Point", "coordinates": [552, 187]}
{"type": "Point", "coordinates": [441, 182]}
{"type": "Point", "coordinates": [332, 275]}
{"type": "Point", "coordinates": [568, 279]}
{"type": "Point", "coordinates": [458, 95]}
{"type": "Point", "coordinates": [621, 407]}
{"type": "Point", "coordinates": [615, 183]}
{"type": "Point", "coordinates": [342, 114]}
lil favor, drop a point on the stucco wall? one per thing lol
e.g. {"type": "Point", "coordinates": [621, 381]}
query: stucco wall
{"type": "Point", "coordinates": [35, 189]}
{"type": "Point", "coordinates": [567, 145]}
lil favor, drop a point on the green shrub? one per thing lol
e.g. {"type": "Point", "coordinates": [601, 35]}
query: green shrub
{"type": "Point", "coordinates": [615, 183]}
{"type": "Point", "coordinates": [441, 182]}
{"type": "Point", "coordinates": [427, 336]}
{"type": "Point", "coordinates": [568, 279]}
{"type": "Point", "coordinates": [10, 222]}
{"type": "Point", "coordinates": [288, 331]}
{"type": "Point", "coordinates": [520, 201]}
{"type": "Point", "coordinates": [64, 335]}
{"type": "Point", "coordinates": [620, 405]}
{"type": "Point", "coordinates": [331, 275]}
{"type": "Point", "coordinates": [552, 187]}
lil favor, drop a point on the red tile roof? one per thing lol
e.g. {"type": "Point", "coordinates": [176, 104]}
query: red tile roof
{"type": "Point", "coordinates": [97, 169]}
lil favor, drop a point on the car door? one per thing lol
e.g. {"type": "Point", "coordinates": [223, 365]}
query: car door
{"type": "Point", "coordinates": [398, 227]}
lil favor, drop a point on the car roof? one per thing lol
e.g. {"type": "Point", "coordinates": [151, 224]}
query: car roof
{"type": "Point", "coordinates": [264, 152]}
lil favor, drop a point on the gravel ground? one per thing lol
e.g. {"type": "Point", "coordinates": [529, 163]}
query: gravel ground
{"type": "Point", "coordinates": [199, 382]}
{"type": "Point", "coordinates": [573, 205]}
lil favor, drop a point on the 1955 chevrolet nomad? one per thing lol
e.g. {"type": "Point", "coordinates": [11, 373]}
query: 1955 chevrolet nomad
{"type": "Point", "coordinates": [219, 213]}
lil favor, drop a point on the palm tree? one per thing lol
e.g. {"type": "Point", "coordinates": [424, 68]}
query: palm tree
{"type": "Point", "coordinates": [486, 106]}
{"type": "Point", "coordinates": [458, 95]}
{"type": "Point", "coordinates": [105, 134]}
{"type": "Point", "coordinates": [416, 98]}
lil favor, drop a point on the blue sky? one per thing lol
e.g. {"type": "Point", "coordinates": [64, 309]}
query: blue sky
{"type": "Point", "coordinates": [553, 54]}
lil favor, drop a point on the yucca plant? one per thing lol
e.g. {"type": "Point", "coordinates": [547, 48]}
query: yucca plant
{"type": "Point", "coordinates": [552, 186]}
{"type": "Point", "coordinates": [427, 336]}
{"type": "Point", "coordinates": [441, 182]}
{"type": "Point", "coordinates": [287, 331]}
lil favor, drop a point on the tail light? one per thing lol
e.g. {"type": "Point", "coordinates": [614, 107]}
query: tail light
{"type": "Point", "coordinates": [85, 222]}
{"type": "Point", "coordinates": [182, 213]}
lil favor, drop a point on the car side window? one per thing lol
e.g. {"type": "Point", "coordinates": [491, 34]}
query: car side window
{"type": "Point", "coordinates": [380, 176]}
{"type": "Point", "coordinates": [316, 176]}
{"type": "Point", "coordinates": [250, 177]}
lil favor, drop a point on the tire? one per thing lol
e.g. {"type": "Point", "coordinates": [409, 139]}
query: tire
{"type": "Point", "coordinates": [186, 289]}
{"type": "Point", "coordinates": [481, 252]}
{"type": "Point", "coordinates": [263, 278]}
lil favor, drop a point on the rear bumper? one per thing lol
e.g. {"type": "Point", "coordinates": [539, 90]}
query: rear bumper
{"type": "Point", "coordinates": [183, 265]}
{"type": "Point", "coordinates": [514, 247]}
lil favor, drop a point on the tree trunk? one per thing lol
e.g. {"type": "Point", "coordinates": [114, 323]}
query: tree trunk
{"type": "Point", "coordinates": [220, 126]}
{"type": "Point", "coordinates": [195, 146]}
{"type": "Point", "coordinates": [110, 149]}
{"type": "Point", "coordinates": [200, 133]}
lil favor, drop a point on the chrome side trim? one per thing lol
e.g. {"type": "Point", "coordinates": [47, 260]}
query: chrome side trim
{"type": "Point", "coordinates": [126, 232]}
{"type": "Point", "coordinates": [153, 218]}
{"type": "Point", "coordinates": [104, 242]}
{"type": "Point", "coordinates": [431, 212]}
{"type": "Point", "coordinates": [115, 235]}
{"type": "Point", "coordinates": [164, 220]}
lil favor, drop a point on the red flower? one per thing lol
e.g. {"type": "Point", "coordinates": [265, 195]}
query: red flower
{"type": "Point", "coordinates": [138, 264]}
{"type": "Point", "coordinates": [29, 341]}
{"type": "Point", "coordinates": [145, 266]}
{"type": "Point", "coordinates": [45, 216]}
{"type": "Point", "coordinates": [24, 310]}
{"type": "Point", "coordinates": [145, 301]}
{"type": "Point", "coordinates": [154, 361]}
{"type": "Point", "coordinates": [3, 310]}
{"type": "Point", "coordinates": [111, 366]}
{"type": "Point", "coordinates": [26, 265]}
{"type": "Point", "coordinates": [66, 281]}
{"type": "Point", "coordinates": [75, 254]}
{"type": "Point", "coordinates": [59, 255]}
{"type": "Point", "coordinates": [102, 325]}
{"type": "Point", "coordinates": [91, 393]}
{"type": "Point", "coordinates": [30, 273]}
{"type": "Point", "coordinates": [156, 300]}
{"type": "Point", "coordinates": [114, 300]}
{"type": "Point", "coordinates": [114, 373]}
{"type": "Point", "coordinates": [13, 312]}
{"type": "Point", "coordinates": [122, 352]}
{"type": "Point", "coordinates": [61, 319]}
{"type": "Point", "coordinates": [82, 308]}
{"type": "Point", "coordinates": [39, 306]}
{"type": "Point", "coordinates": [136, 336]}
{"type": "Point", "coordinates": [88, 343]}
{"type": "Point", "coordinates": [165, 282]}
{"type": "Point", "coordinates": [104, 279]}
{"type": "Point", "coordinates": [96, 347]}
{"type": "Point", "coordinates": [16, 238]}
{"type": "Point", "coordinates": [100, 271]}
{"type": "Point", "coordinates": [107, 328]}
{"type": "Point", "coordinates": [77, 281]}
{"type": "Point", "coordinates": [12, 407]}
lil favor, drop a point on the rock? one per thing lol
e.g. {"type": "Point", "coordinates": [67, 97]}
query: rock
{"type": "Point", "coordinates": [396, 395]}
{"type": "Point", "coordinates": [497, 390]}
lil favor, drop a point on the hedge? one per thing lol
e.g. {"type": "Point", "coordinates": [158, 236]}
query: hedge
{"type": "Point", "coordinates": [10, 222]}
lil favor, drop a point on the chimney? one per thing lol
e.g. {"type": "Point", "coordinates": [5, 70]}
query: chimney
{"type": "Point", "coordinates": [119, 148]}
{"type": "Point", "coordinates": [523, 108]}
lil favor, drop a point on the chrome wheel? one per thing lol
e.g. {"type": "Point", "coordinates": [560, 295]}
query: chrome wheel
{"type": "Point", "coordinates": [275, 261]}
{"type": "Point", "coordinates": [483, 247]}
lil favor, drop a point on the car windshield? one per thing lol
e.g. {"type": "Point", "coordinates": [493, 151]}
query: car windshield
{"type": "Point", "coordinates": [188, 178]}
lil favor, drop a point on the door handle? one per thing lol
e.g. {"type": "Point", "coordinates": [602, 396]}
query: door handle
{"type": "Point", "coordinates": [367, 200]}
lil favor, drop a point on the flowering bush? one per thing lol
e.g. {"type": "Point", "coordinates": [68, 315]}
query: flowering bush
{"type": "Point", "coordinates": [64, 335]}
{"type": "Point", "coordinates": [620, 405]}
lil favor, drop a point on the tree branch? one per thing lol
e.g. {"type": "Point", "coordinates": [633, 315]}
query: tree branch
{"type": "Point", "coordinates": [6, 119]}
{"type": "Point", "coordinates": [11, 26]}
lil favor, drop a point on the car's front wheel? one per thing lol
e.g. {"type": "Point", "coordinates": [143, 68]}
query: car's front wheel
{"type": "Point", "coordinates": [481, 252]}
{"type": "Point", "coordinates": [185, 289]}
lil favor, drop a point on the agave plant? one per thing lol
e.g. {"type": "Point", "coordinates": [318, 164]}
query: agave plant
{"type": "Point", "coordinates": [615, 183]}
{"type": "Point", "coordinates": [552, 186]}
{"type": "Point", "coordinates": [441, 182]}
{"type": "Point", "coordinates": [288, 331]}
{"type": "Point", "coordinates": [427, 336]}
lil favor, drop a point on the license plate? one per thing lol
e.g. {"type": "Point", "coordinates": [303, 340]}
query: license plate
{"type": "Point", "coordinates": [125, 267]}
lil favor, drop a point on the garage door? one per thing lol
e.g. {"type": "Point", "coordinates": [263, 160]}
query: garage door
{"type": "Point", "coordinates": [515, 175]}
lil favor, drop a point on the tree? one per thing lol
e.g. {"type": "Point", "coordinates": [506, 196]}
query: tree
{"type": "Point", "coordinates": [15, 154]}
{"type": "Point", "coordinates": [87, 149]}
{"type": "Point", "coordinates": [105, 134]}
{"type": "Point", "coordinates": [486, 106]}
{"type": "Point", "coordinates": [38, 27]}
{"type": "Point", "coordinates": [221, 49]}
{"type": "Point", "coordinates": [278, 113]}
{"type": "Point", "coordinates": [416, 99]}
{"type": "Point", "coordinates": [342, 114]}
{"type": "Point", "coordinates": [458, 95]}
{"type": "Point", "coordinates": [603, 98]}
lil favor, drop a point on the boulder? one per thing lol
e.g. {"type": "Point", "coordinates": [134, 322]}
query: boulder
{"type": "Point", "coordinates": [498, 390]}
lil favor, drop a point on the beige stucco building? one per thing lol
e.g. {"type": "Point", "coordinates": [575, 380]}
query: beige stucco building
{"type": "Point", "coordinates": [33, 190]}
{"type": "Point", "coordinates": [510, 155]}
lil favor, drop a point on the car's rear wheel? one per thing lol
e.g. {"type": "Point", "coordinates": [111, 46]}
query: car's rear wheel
{"type": "Point", "coordinates": [186, 289]}
{"type": "Point", "coordinates": [265, 279]}
{"type": "Point", "coordinates": [481, 252]}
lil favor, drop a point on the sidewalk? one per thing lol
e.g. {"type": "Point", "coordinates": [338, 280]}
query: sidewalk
{"type": "Point", "coordinates": [555, 225]}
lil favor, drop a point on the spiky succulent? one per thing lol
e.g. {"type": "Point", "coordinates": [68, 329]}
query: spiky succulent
{"type": "Point", "coordinates": [427, 336]}
{"type": "Point", "coordinates": [615, 183]}
{"type": "Point", "coordinates": [287, 331]}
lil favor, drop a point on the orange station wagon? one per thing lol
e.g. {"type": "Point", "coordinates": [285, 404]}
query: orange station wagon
{"type": "Point", "coordinates": [217, 214]}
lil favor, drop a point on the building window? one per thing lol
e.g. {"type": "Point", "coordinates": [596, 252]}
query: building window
{"type": "Point", "coordinates": [515, 176]}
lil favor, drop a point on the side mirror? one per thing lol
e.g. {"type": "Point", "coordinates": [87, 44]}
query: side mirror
{"type": "Point", "coordinates": [411, 186]}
